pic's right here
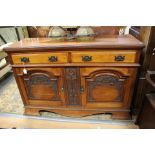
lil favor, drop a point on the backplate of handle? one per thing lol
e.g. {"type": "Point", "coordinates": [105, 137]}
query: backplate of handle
{"type": "Point", "coordinates": [148, 78]}
{"type": "Point", "coordinates": [53, 58]}
{"type": "Point", "coordinates": [119, 58]}
{"type": "Point", "coordinates": [86, 58]}
{"type": "Point", "coordinates": [24, 59]}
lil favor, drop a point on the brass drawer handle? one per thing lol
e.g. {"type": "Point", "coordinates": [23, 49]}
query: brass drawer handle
{"type": "Point", "coordinates": [86, 58]}
{"type": "Point", "coordinates": [24, 59]}
{"type": "Point", "coordinates": [119, 58]}
{"type": "Point", "coordinates": [53, 58]}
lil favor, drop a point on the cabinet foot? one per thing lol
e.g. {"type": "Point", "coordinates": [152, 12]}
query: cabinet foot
{"type": "Point", "coordinates": [121, 115]}
{"type": "Point", "coordinates": [32, 111]}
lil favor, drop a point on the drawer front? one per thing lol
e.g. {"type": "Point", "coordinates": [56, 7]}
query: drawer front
{"type": "Point", "coordinates": [105, 56]}
{"type": "Point", "coordinates": [44, 58]}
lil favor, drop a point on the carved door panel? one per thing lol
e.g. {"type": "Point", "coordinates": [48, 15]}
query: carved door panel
{"type": "Point", "coordinates": [107, 87]}
{"type": "Point", "coordinates": [42, 86]}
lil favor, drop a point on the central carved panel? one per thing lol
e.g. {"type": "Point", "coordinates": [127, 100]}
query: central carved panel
{"type": "Point", "coordinates": [72, 80]}
{"type": "Point", "coordinates": [105, 88]}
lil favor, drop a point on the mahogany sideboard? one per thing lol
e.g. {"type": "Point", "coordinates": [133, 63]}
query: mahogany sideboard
{"type": "Point", "coordinates": [76, 78]}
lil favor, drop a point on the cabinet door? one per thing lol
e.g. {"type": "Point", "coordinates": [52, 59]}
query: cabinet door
{"type": "Point", "coordinates": [41, 86]}
{"type": "Point", "coordinates": [107, 87]}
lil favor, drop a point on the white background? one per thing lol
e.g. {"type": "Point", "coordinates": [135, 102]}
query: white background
{"type": "Point", "coordinates": [77, 12]}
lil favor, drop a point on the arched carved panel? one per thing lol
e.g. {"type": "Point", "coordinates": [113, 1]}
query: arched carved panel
{"type": "Point", "coordinates": [42, 86]}
{"type": "Point", "coordinates": [99, 88]}
{"type": "Point", "coordinates": [100, 83]}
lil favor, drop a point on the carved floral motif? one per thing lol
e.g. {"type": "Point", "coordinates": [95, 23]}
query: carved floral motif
{"type": "Point", "coordinates": [105, 80]}
{"type": "Point", "coordinates": [44, 80]}
{"type": "Point", "coordinates": [73, 85]}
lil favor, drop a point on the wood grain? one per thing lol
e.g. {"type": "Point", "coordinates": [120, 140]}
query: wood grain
{"type": "Point", "coordinates": [71, 86]}
{"type": "Point", "coordinates": [106, 42]}
{"type": "Point", "coordinates": [105, 56]}
{"type": "Point", "coordinates": [40, 58]}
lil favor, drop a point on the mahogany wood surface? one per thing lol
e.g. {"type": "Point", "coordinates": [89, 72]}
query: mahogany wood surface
{"type": "Point", "coordinates": [105, 56]}
{"type": "Point", "coordinates": [77, 78]}
{"type": "Point", "coordinates": [101, 56]}
{"type": "Point", "coordinates": [108, 41]}
{"type": "Point", "coordinates": [40, 58]}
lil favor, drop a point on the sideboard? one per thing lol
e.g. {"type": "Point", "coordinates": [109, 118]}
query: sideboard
{"type": "Point", "coordinates": [76, 78]}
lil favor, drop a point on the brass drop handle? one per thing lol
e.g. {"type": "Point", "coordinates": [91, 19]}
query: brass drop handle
{"type": "Point", "coordinates": [24, 59]}
{"type": "Point", "coordinates": [53, 58]}
{"type": "Point", "coordinates": [86, 58]}
{"type": "Point", "coordinates": [119, 58]}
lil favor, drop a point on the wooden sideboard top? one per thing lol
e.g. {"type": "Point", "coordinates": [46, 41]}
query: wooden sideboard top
{"type": "Point", "coordinates": [106, 42]}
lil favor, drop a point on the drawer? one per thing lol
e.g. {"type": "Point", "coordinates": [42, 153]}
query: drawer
{"type": "Point", "coordinates": [105, 56]}
{"type": "Point", "coordinates": [38, 58]}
